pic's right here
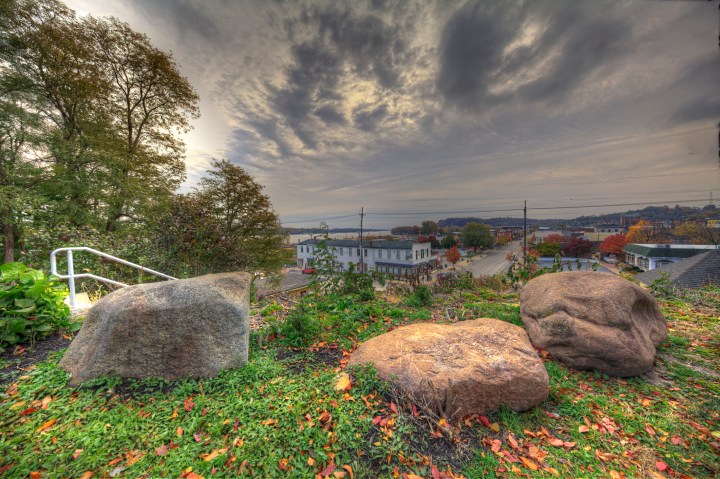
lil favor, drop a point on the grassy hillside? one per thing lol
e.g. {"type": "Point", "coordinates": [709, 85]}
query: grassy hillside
{"type": "Point", "coordinates": [290, 412]}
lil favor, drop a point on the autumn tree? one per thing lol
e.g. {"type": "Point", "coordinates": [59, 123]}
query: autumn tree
{"type": "Point", "coordinates": [548, 248]}
{"type": "Point", "coordinates": [477, 235]}
{"type": "Point", "coordinates": [645, 233]}
{"type": "Point", "coordinates": [613, 244]}
{"type": "Point", "coordinates": [246, 226]}
{"type": "Point", "coordinates": [698, 232]}
{"type": "Point", "coordinates": [453, 255]}
{"type": "Point", "coordinates": [577, 247]}
{"type": "Point", "coordinates": [429, 228]}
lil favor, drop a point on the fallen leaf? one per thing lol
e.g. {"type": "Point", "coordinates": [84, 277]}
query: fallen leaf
{"type": "Point", "coordinates": [583, 429]}
{"type": "Point", "coordinates": [311, 461]}
{"type": "Point", "coordinates": [77, 453]}
{"type": "Point", "coordinates": [556, 442]}
{"type": "Point", "coordinates": [495, 427]}
{"type": "Point", "coordinates": [328, 470]}
{"type": "Point", "coordinates": [649, 429]}
{"type": "Point", "coordinates": [614, 475]}
{"type": "Point", "coordinates": [412, 476]}
{"type": "Point", "coordinates": [393, 407]}
{"type": "Point", "coordinates": [35, 475]}
{"type": "Point", "coordinates": [87, 475]}
{"type": "Point", "coordinates": [529, 464]}
{"type": "Point", "coordinates": [661, 465]}
{"type": "Point", "coordinates": [192, 475]}
{"type": "Point", "coordinates": [29, 410]}
{"type": "Point", "coordinates": [343, 383]}
{"type": "Point", "coordinates": [496, 444]}
{"type": "Point", "coordinates": [162, 450]}
{"type": "Point", "coordinates": [485, 421]}
{"type": "Point", "coordinates": [349, 470]}
{"type": "Point", "coordinates": [179, 431]}
{"type": "Point", "coordinates": [189, 405]}
{"type": "Point", "coordinates": [46, 425]}
{"type": "Point", "coordinates": [214, 454]}
{"type": "Point", "coordinates": [283, 464]}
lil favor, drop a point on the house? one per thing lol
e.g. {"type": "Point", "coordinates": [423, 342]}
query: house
{"type": "Point", "coordinates": [293, 285]}
{"type": "Point", "coordinates": [650, 256]}
{"type": "Point", "coordinates": [609, 228]}
{"type": "Point", "coordinates": [695, 272]}
{"type": "Point", "coordinates": [393, 257]}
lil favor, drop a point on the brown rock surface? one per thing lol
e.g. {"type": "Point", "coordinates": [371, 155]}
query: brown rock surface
{"type": "Point", "coordinates": [475, 366]}
{"type": "Point", "coordinates": [593, 321]}
{"type": "Point", "coordinates": [174, 329]}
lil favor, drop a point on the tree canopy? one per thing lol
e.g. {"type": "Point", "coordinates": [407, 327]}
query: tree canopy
{"type": "Point", "coordinates": [477, 235]}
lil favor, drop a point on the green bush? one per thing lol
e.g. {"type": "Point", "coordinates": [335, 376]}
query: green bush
{"type": "Point", "coordinates": [422, 296]}
{"type": "Point", "coordinates": [31, 304]}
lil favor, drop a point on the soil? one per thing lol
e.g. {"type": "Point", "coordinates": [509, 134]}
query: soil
{"type": "Point", "coordinates": [300, 360]}
{"type": "Point", "coordinates": [17, 360]}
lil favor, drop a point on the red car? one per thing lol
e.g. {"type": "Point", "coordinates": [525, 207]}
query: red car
{"type": "Point", "coordinates": [309, 271]}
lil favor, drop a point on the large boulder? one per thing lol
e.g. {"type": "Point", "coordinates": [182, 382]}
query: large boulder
{"type": "Point", "coordinates": [470, 367]}
{"type": "Point", "coordinates": [593, 321]}
{"type": "Point", "coordinates": [173, 329]}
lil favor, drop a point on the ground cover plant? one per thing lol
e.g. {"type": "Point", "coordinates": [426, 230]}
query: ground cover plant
{"type": "Point", "coordinates": [295, 411]}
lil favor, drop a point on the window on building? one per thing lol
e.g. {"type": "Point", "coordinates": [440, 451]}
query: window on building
{"type": "Point", "coordinates": [301, 249]}
{"type": "Point", "coordinates": [416, 254]}
{"type": "Point", "coordinates": [341, 252]}
{"type": "Point", "coordinates": [380, 253]}
{"type": "Point", "coordinates": [366, 253]}
{"type": "Point", "coordinates": [358, 251]}
{"type": "Point", "coordinates": [397, 254]}
{"type": "Point", "coordinates": [350, 252]}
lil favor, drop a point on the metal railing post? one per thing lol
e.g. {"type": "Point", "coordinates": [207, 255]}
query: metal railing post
{"type": "Point", "coordinates": [71, 278]}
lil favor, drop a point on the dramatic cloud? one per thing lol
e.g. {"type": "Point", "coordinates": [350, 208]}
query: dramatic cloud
{"type": "Point", "coordinates": [422, 107]}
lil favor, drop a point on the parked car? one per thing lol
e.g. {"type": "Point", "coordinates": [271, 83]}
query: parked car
{"type": "Point", "coordinates": [309, 271]}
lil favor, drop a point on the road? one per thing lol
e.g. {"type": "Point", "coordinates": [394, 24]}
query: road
{"type": "Point", "coordinates": [494, 262]}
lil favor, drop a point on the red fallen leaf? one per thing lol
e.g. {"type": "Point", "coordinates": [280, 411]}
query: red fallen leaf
{"type": "Point", "coordinates": [485, 421]}
{"type": "Point", "coordinates": [35, 475]}
{"type": "Point", "coordinates": [661, 465]}
{"type": "Point", "coordinates": [415, 411]}
{"type": "Point", "coordinates": [393, 407]}
{"type": "Point", "coordinates": [583, 429]}
{"type": "Point", "coordinates": [6, 467]}
{"type": "Point", "coordinates": [283, 464]}
{"type": "Point", "coordinates": [700, 428]}
{"type": "Point", "coordinates": [213, 471]}
{"type": "Point", "coordinates": [568, 445]}
{"type": "Point", "coordinates": [237, 422]}
{"type": "Point", "coordinates": [29, 410]}
{"type": "Point", "coordinates": [556, 442]}
{"type": "Point", "coordinates": [204, 412]}
{"type": "Point", "coordinates": [376, 420]}
{"type": "Point", "coordinates": [496, 444]}
{"type": "Point", "coordinates": [189, 405]}
{"type": "Point", "coordinates": [676, 440]}
{"type": "Point", "coordinates": [512, 441]}
{"type": "Point", "coordinates": [435, 472]}
{"type": "Point", "coordinates": [328, 470]}
{"type": "Point", "coordinates": [649, 429]}
{"type": "Point", "coordinates": [384, 421]}
{"type": "Point", "coordinates": [162, 450]}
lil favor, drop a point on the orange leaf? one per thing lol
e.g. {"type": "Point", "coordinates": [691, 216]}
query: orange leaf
{"type": "Point", "coordinates": [311, 461]}
{"type": "Point", "coordinates": [46, 425]}
{"type": "Point", "coordinates": [214, 454]}
{"type": "Point", "coordinates": [343, 382]}
{"type": "Point", "coordinates": [179, 431]}
{"type": "Point", "coordinates": [583, 429]}
{"type": "Point", "coordinates": [283, 464]}
{"type": "Point", "coordinates": [649, 429]}
{"type": "Point", "coordinates": [349, 470]}
{"type": "Point", "coordinates": [189, 405]}
{"type": "Point", "coordinates": [528, 463]}
{"type": "Point", "coordinates": [556, 442]}
{"type": "Point", "coordinates": [614, 475]}
{"type": "Point", "coordinates": [87, 475]}
{"type": "Point", "coordinates": [35, 475]}
{"type": "Point", "coordinates": [412, 476]}
{"type": "Point", "coordinates": [192, 475]}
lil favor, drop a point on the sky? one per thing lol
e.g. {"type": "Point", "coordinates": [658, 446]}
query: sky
{"type": "Point", "coordinates": [421, 110]}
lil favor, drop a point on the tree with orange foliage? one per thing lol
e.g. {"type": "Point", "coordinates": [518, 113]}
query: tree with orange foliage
{"type": "Point", "coordinates": [645, 233]}
{"type": "Point", "coordinates": [613, 244]}
{"type": "Point", "coordinates": [453, 255]}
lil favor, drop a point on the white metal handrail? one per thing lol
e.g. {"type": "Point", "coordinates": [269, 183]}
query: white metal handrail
{"type": "Point", "coordinates": [71, 269]}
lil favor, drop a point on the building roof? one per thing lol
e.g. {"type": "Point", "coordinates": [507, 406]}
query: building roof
{"type": "Point", "coordinates": [695, 272]}
{"type": "Point", "coordinates": [667, 250]}
{"type": "Point", "coordinates": [291, 281]}
{"type": "Point", "coordinates": [379, 244]}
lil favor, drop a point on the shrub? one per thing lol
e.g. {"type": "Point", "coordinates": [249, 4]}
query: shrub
{"type": "Point", "coordinates": [301, 327]}
{"type": "Point", "coordinates": [421, 297]}
{"type": "Point", "coordinates": [31, 304]}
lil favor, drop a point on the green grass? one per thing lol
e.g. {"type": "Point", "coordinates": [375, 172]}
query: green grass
{"type": "Point", "coordinates": [281, 416]}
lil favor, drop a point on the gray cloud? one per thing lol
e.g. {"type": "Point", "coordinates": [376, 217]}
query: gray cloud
{"type": "Point", "coordinates": [390, 103]}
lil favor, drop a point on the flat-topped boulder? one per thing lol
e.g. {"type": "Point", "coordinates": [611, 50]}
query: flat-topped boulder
{"type": "Point", "coordinates": [469, 367]}
{"type": "Point", "coordinates": [174, 329]}
{"type": "Point", "coordinates": [593, 321]}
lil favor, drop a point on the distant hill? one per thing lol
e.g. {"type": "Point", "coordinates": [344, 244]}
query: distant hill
{"type": "Point", "coordinates": [650, 213]}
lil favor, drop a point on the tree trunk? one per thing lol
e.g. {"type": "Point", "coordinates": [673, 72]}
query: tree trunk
{"type": "Point", "coordinates": [9, 243]}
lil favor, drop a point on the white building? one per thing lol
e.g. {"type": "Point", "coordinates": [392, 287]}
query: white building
{"type": "Point", "coordinates": [393, 257]}
{"type": "Point", "coordinates": [649, 256]}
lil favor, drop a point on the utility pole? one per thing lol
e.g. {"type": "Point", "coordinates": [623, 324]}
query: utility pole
{"type": "Point", "coordinates": [524, 231]}
{"type": "Point", "coordinates": [362, 263]}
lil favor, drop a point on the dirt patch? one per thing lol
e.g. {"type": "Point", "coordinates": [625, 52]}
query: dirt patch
{"type": "Point", "coordinates": [300, 359]}
{"type": "Point", "coordinates": [699, 369]}
{"type": "Point", "coordinates": [17, 360]}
